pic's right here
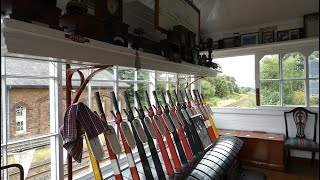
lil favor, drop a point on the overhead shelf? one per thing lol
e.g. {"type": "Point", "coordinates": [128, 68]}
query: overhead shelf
{"type": "Point", "coordinates": [21, 39]}
{"type": "Point", "coordinates": [270, 48]}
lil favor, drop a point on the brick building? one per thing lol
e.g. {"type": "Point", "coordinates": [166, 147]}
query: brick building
{"type": "Point", "coordinates": [29, 114]}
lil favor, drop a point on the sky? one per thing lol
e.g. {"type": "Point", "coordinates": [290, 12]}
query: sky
{"type": "Point", "coordinates": [240, 67]}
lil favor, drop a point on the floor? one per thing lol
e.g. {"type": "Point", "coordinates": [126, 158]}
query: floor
{"type": "Point", "coordinates": [296, 171]}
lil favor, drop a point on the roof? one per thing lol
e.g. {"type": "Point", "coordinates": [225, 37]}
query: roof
{"type": "Point", "coordinates": [41, 68]}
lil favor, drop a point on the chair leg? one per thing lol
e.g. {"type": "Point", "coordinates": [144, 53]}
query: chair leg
{"type": "Point", "coordinates": [312, 160]}
{"type": "Point", "coordinates": [287, 158]}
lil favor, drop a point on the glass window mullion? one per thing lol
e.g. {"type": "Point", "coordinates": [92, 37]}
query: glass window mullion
{"type": "Point", "coordinates": [115, 89]}
{"type": "Point", "coordinates": [307, 85]}
{"type": "Point", "coordinates": [5, 122]}
{"type": "Point", "coordinates": [135, 88]}
{"type": "Point", "coordinates": [281, 79]}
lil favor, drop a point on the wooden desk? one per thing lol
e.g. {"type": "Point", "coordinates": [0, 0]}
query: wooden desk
{"type": "Point", "coordinates": [227, 132]}
{"type": "Point", "coordinates": [261, 149]}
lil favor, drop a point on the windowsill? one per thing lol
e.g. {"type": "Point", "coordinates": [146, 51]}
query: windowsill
{"type": "Point", "coordinates": [261, 110]}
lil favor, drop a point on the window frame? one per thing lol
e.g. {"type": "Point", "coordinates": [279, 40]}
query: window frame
{"type": "Point", "coordinates": [282, 80]}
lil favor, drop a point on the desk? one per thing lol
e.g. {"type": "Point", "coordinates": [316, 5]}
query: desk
{"type": "Point", "coordinates": [261, 149]}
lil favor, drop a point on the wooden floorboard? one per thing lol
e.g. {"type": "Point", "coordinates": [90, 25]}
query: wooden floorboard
{"type": "Point", "coordinates": [293, 172]}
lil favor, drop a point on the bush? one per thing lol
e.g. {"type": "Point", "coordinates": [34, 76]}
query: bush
{"type": "Point", "coordinates": [298, 98]}
{"type": "Point", "coordinates": [314, 101]}
{"type": "Point", "coordinates": [213, 101]}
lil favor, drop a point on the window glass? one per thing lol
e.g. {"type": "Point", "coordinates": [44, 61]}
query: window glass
{"type": "Point", "coordinates": [142, 87]}
{"type": "Point", "coordinates": [314, 92]}
{"type": "Point", "coordinates": [234, 87]}
{"type": "Point", "coordinates": [34, 155]}
{"type": "Point", "coordinates": [106, 74]}
{"type": "Point", "coordinates": [19, 66]}
{"type": "Point", "coordinates": [313, 61]}
{"type": "Point", "coordinates": [269, 67]}
{"type": "Point", "coordinates": [2, 123]}
{"type": "Point", "coordinates": [81, 168]}
{"type": "Point", "coordinates": [270, 93]}
{"type": "Point", "coordinates": [122, 103]}
{"type": "Point", "coordinates": [161, 76]}
{"type": "Point", "coordinates": [172, 77]}
{"type": "Point", "coordinates": [161, 86]}
{"type": "Point", "coordinates": [29, 107]}
{"type": "Point", "coordinates": [143, 75]}
{"type": "Point", "coordinates": [126, 74]}
{"type": "Point", "coordinates": [104, 90]}
{"type": "Point", "coordinates": [172, 86]}
{"type": "Point", "coordinates": [294, 92]}
{"type": "Point", "coordinates": [293, 66]}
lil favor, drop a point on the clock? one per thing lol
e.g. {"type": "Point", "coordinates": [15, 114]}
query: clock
{"type": "Point", "coordinates": [109, 9]}
{"type": "Point", "coordinates": [113, 6]}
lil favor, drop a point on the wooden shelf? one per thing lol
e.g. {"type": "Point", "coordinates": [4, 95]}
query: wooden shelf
{"type": "Point", "coordinates": [21, 39]}
{"type": "Point", "coordinates": [270, 48]}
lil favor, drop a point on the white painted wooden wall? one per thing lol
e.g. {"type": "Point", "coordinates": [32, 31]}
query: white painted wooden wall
{"type": "Point", "coordinates": [266, 119]}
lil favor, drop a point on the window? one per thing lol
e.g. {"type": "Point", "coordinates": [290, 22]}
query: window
{"type": "Point", "coordinates": [29, 92]}
{"type": "Point", "coordinates": [283, 80]}
{"type": "Point", "coordinates": [20, 119]}
{"type": "Point", "coordinates": [313, 62]}
{"type": "Point", "coordinates": [234, 87]}
{"type": "Point", "coordinates": [164, 82]}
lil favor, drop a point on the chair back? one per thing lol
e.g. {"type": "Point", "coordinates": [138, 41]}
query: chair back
{"type": "Point", "coordinates": [300, 117]}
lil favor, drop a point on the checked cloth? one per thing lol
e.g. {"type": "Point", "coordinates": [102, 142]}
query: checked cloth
{"type": "Point", "coordinates": [79, 115]}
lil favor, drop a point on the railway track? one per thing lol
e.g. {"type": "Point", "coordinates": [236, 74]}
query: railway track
{"type": "Point", "coordinates": [42, 171]}
{"type": "Point", "coordinates": [239, 103]}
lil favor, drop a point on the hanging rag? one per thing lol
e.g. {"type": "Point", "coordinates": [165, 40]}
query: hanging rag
{"type": "Point", "coordinates": [79, 115]}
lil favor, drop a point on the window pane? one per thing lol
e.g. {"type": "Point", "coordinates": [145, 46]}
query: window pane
{"type": "Point", "coordinates": [79, 169]}
{"type": "Point", "coordinates": [172, 86]}
{"type": "Point", "coordinates": [313, 61]}
{"type": "Point", "coordinates": [2, 123]}
{"type": "Point", "coordinates": [314, 92]}
{"type": "Point", "coordinates": [34, 154]}
{"type": "Point", "coordinates": [122, 105]}
{"type": "Point", "coordinates": [293, 66]}
{"type": "Point", "coordinates": [143, 75]}
{"type": "Point", "coordinates": [161, 76]}
{"type": "Point", "coordinates": [142, 87]}
{"type": "Point", "coordinates": [18, 66]}
{"type": "Point", "coordinates": [294, 92]}
{"type": "Point", "coordinates": [33, 95]}
{"type": "Point", "coordinates": [161, 86]}
{"type": "Point", "coordinates": [172, 77]}
{"type": "Point", "coordinates": [270, 93]}
{"type": "Point", "coordinates": [269, 67]}
{"type": "Point", "coordinates": [234, 86]}
{"type": "Point", "coordinates": [104, 89]}
{"type": "Point", "coordinates": [106, 74]}
{"type": "Point", "coordinates": [126, 74]}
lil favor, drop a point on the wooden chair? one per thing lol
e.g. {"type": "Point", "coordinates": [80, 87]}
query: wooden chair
{"type": "Point", "coordinates": [300, 142]}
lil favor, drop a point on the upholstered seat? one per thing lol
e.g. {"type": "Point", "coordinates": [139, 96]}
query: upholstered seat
{"type": "Point", "coordinates": [301, 143]}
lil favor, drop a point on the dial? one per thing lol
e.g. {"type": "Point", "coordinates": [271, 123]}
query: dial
{"type": "Point", "coordinates": [113, 6]}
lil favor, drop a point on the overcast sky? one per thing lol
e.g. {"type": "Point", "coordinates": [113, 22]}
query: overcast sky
{"type": "Point", "coordinates": [240, 67]}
